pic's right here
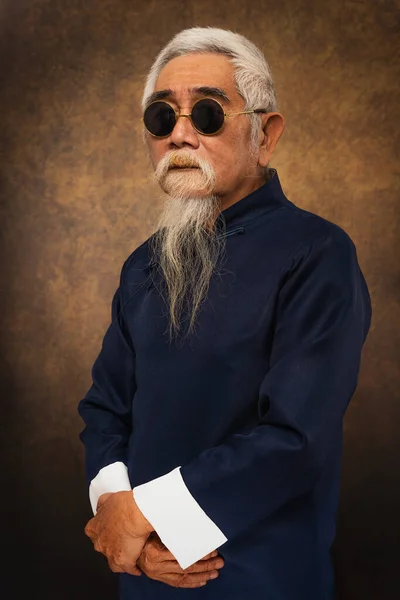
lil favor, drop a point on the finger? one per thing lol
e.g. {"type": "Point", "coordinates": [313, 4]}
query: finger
{"type": "Point", "coordinates": [211, 555]}
{"type": "Point", "coordinates": [133, 571]}
{"type": "Point", "coordinates": [166, 554]}
{"type": "Point", "coordinates": [204, 566]}
{"type": "Point", "coordinates": [201, 566]}
{"type": "Point", "coordinates": [114, 567]}
{"type": "Point", "coordinates": [198, 579]}
{"type": "Point", "coordinates": [184, 581]}
{"type": "Point", "coordinates": [89, 530]}
{"type": "Point", "coordinates": [117, 568]}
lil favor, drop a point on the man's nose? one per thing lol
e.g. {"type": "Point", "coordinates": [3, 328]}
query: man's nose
{"type": "Point", "coordinates": [184, 133]}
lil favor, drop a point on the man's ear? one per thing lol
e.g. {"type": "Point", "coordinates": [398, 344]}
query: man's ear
{"type": "Point", "coordinates": [273, 125]}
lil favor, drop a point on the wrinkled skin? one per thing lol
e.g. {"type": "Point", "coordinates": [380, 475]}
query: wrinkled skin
{"type": "Point", "coordinates": [121, 532]}
{"type": "Point", "coordinates": [158, 563]}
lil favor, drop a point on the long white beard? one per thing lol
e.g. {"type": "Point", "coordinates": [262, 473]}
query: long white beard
{"type": "Point", "coordinates": [186, 243]}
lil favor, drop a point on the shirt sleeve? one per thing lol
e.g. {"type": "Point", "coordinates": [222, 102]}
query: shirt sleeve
{"type": "Point", "coordinates": [322, 319]}
{"type": "Point", "coordinates": [106, 408]}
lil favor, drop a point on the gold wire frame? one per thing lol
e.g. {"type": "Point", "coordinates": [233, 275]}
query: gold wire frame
{"type": "Point", "coordinates": [189, 116]}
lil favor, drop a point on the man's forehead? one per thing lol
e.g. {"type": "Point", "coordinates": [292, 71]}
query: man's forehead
{"type": "Point", "coordinates": [186, 73]}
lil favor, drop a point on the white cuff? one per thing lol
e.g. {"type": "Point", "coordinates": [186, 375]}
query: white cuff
{"type": "Point", "coordinates": [179, 520]}
{"type": "Point", "coordinates": [112, 478]}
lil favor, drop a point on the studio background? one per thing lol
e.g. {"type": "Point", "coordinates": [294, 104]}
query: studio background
{"type": "Point", "coordinates": [76, 199]}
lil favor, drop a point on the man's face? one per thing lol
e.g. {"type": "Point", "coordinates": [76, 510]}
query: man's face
{"type": "Point", "coordinates": [227, 151]}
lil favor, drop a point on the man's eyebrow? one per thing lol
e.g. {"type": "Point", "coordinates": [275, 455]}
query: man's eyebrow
{"type": "Point", "coordinates": [211, 91]}
{"type": "Point", "coordinates": [203, 90]}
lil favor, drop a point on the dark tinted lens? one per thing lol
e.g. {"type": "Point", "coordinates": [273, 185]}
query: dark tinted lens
{"type": "Point", "coordinates": [207, 116]}
{"type": "Point", "coordinates": [159, 118]}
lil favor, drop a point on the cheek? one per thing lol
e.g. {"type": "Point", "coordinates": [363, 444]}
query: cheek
{"type": "Point", "coordinates": [156, 152]}
{"type": "Point", "coordinates": [221, 153]}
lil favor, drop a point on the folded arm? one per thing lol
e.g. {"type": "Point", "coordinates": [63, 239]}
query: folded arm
{"type": "Point", "coordinates": [323, 317]}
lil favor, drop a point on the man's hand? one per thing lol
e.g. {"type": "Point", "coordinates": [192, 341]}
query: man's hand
{"type": "Point", "coordinates": [157, 562]}
{"type": "Point", "coordinates": [119, 531]}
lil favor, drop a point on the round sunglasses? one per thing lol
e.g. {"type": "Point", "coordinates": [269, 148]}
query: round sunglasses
{"type": "Point", "coordinates": [207, 117]}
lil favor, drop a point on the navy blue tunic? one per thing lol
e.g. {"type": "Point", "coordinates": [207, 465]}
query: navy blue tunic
{"type": "Point", "coordinates": [251, 405]}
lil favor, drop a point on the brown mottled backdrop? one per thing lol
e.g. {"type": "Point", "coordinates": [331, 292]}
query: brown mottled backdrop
{"type": "Point", "coordinates": [76, 200]}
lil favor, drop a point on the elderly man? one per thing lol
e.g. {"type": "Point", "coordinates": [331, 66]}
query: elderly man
{"type": "Point", "coordinates": [214, 423]}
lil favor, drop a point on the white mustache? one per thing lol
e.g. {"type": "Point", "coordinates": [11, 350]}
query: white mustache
{"type": "Point", "coordinates": [176, 159]}
{"type": "Point", "coordinates": [183, 162]}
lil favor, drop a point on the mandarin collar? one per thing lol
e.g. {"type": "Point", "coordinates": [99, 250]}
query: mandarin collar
{"type": "Point", "coordinates": [264, 199]}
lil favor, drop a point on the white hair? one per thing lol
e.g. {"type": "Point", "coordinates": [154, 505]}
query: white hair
{"type": "Point", "coordinates": [252, 75]}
